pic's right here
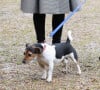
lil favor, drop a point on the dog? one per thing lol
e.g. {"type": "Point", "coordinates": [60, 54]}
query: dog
{"type": "Point", "coordinates": [47, 55]}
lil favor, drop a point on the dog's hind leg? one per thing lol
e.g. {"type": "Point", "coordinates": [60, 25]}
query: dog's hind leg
{"type": "Point", "coordinates": [76, 62]}
{"type": "Point", "coordinates": [65, 61]}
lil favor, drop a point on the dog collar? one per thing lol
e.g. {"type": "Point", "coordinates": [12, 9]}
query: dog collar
{"type": "Point", "coordinates": [44, 47]}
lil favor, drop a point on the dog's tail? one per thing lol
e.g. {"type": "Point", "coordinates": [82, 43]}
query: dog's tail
{"type": "Point", "coordinates": [69, 37]}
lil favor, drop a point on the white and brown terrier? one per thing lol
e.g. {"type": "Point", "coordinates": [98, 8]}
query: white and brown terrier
{"type": "Point", "coordinates": [47, 55]}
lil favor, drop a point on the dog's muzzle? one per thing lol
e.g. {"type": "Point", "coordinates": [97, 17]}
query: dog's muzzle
{"type": "Point", "coordinates": [24, 61]}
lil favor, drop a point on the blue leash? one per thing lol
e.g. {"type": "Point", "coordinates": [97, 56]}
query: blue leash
{"type": "Point", "coordinates": [67, 18]}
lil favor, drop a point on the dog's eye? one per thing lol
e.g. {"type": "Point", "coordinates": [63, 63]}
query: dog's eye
{"type": "Point", "coordinates": [29, 55]}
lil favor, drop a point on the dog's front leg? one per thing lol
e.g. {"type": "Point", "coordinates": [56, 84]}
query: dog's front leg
{"type": "Point", "coordinates": [50, 71]}
{"type": "Point", "coordinates": [44, 76]}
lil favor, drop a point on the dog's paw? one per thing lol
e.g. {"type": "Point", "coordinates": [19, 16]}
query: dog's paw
{"type": "Point", "coordinates": [43, 77]}
{"type": "Point", "coordinates": [65, 71]}
{"type": "Point", "coordinates": [49, 80]}
{"type": "Point", "coordinates": [79, 73]}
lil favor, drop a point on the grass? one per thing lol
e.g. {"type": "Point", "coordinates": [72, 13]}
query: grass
{"type": "Point", "coordinates": [16, 30]}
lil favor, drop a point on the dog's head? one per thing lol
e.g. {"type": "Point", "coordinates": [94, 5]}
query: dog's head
{"type": "Point", "coordinates": [32, 52]}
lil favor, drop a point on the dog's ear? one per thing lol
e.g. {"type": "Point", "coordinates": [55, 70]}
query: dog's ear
{"type": "Point", "coordinates": [38, 50]}
{"type": "Point", "coordinates": [27, 45]}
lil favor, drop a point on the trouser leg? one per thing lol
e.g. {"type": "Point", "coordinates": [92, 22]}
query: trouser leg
{"type": "Point", "coordinates": [39, 24]}
{"type": "Point", "coordinates": [56, 20]}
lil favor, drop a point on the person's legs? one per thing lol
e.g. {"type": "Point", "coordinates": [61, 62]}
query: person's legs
{"type": "Point", "coordinates": [56, 20]}
{"type": "Point", "coordinates": [39, 23]}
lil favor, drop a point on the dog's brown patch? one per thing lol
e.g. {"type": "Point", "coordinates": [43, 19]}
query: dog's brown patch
{"type": "Point", "coordinates": [41, 62]}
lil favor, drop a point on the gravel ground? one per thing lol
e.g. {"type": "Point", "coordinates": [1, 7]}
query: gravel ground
{"type": "Point", "coordinates": [17, 29]}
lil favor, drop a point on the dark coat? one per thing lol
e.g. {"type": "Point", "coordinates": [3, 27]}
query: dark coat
{"type": "Point", "coordinates": [49, 6]}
